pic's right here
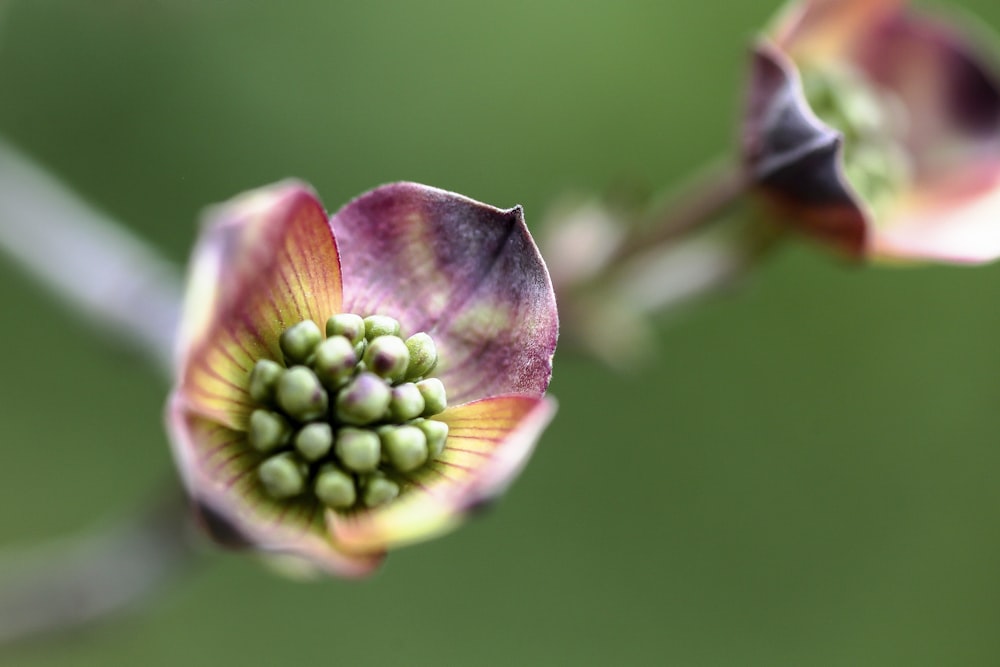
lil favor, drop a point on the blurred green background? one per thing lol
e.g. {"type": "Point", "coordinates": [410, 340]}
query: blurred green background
{"type": "Point", "coordinates": [806, 475]}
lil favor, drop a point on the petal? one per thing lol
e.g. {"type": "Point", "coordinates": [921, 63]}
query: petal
{"type": "Point", "coordinates": [954, 220]}
{"type": "Point", "coordinates": [950, 91]}
{"type": "Point", "coordinates": [467, 273]}
{"type": "Point", "coordinates": [825, 29]}
{"type": "Point", "coordinates": [794, 159]}
{"type": "Point", "coordinates": [264, 261]}
{"type": "Point", "coordinates": [489, 441]}
{"type": "Point", "coordinates": [219, 471]}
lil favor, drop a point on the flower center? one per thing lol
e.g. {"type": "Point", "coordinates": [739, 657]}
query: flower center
{"type": "Point", "coordinates": [346, 418]}
{"type": "Point", "coordinates": [873, 122]}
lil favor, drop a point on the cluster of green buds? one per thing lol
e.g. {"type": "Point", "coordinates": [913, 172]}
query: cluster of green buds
{"type": "Point", "coordinates": [872, 121]}
{"type": "Point", "coordinates": [345, 418]}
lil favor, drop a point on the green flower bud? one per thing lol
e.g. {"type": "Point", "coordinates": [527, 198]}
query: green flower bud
{"type": "Point", "coordinates": [314, 441]}
{"type": "Point", "coordinates": [299, 340]}
{"type": "Point", "coordinates": [334, 361]}
{"type": "Point", "coordinates": [435, 397]}
{"type": "Point", "coordinates": [348, 325]}
{"type": "Point", "coordinates": [335, 488]}
{"type": "Point", "coordinates": [360, 450]}
{"type": "Point", "coordinates": [423, 355]}
{"type": "Point", "coordinates": [379, 490]}
{"type": "Point", "coordinates": [406, 403]}
{"type": "Point", "coordinates": [283, 476]}
{"type": "Point", "coordinates": [264, 380]}
{"type": "Point", "coordinates": [405, 447]}
{"type": "Point", "coordinates": [437, 435]}
{"type": "Point", "coordinates": [387, 357]}
{"type": "Point", "coordinates": [364, 400]}
{"type": "Point", "coordinates": [380, 325]}
{"type": "Point", "coordinates": [301, 395]}
{"type": "Point", "coordinates": [268, 430]}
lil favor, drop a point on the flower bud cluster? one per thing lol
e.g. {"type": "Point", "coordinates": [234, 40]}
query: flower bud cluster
{"type": "Point", "coordinates": [346, 417]}
{"type": "Point", "coordinates": [872, 121]}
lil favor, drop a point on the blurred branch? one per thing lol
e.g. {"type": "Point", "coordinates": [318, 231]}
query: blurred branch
{"type": "Point", "coordinates": [695, 204]}
{"type": "Point", "coordinates": [70, 583]}
{"type": "Point", "coordinates": [96, 266]}
{"type": "Point", "coordinates": [126, 289]}
{"type": "Point", "coordinates": [614, 319]}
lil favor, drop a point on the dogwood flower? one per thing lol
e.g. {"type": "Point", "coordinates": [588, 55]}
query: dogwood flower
{"type": "Point", "coordinates": [876, 128]}
{"type": "Point", "coordinates": [351, 384]}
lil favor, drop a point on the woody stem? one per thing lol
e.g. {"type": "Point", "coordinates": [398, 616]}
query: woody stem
{"type": "Point", "coordinates": [97, 267]}
{"type": "Point", "coordinates": [124, 288]}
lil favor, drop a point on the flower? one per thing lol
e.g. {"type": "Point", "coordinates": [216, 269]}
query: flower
{"type": "Point", "coordinates": [335, 448]}
{"type": "Point", "coordinates": [877, 129]}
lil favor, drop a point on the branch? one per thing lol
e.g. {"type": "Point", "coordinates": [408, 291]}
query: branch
{"type": "Point", "coordinates": [123, 287]}
{"type": "Point", "coordinates": [97, 267]}
{"type": "Point", "coordinates": [72, 583]}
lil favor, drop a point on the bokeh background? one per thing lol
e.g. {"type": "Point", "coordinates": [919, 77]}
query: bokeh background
{"type": "Point", "coordinates": [807, 474]}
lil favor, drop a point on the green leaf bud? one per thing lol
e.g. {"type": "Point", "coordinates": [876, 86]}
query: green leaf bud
{"type": "Point", "coordinates": [365, 399]}
{"type": "Point", "coordinates": [299, 340]}
{"type": "Point", "coordinates": [435, 397]}
{"type": "Point", "coordinates": [379, 490]}
{"type": "Point", "coordinates": [358, 449]}
{"type": "Point", "coordinates": [283, 476]}
{"type": "Point", "coordinates": [423, 355]}
{"type": "Point", "coordinates": [335, 488]}
{"type": "Point", "coordinates": [268, 430]}
{"type": "Point", "coordinates": [334, 361]}
{"type": "Point", "coordinates": [405, 447]}
{"type": "Point", "coordinates": [406, 403]}
{"type": "Point", "coordinates": [348, 325]}
{"type": "Point", "coordinates": [437, 435]}
{"type": "Point", "coordinates": [380, 325]}
{"type": "Point", "coordinates": [301, 395]}
{"type": "Point", "coordinates": [264, 380]}
{"type": "Point", "coordinates": [313, 441]}
{"type": "Point", "coordinates": [387, 357]}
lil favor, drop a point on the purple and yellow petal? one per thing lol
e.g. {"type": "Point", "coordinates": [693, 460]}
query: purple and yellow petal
{"type": "Point", "coordinates": [266, 260]}
{"type": "Point", "coordinates": [818, 30]}
{"type": "Point", "coordinates": [220, 473]}
{"type": "Point", "coordinates": [464, 272]}
{"type": "Point", "coordinates": [489, 441]}
{"type": "Point", "coordinates": [794, 159]}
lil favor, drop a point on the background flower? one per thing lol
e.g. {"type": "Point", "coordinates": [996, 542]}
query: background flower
{"type": "Point", "coordinates": [877, 128]}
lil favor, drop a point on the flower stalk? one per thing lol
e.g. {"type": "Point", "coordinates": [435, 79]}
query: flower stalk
{"type": "Point", "coordinates": [107, 275]}
{"type": "Point", "coordinates": [125, 290]}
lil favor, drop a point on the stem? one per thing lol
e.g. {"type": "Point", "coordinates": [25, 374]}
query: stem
{"type": "Point", "coordinates": [695, 268]}
{"type": "Point", "coordinates": [613, 320]}
{"type": "Point", "coordinates": [96, 266]}
{"type": "Point", "coordinates": [126, 289]}
{"type": "Point", "coordinates": [73, 583]}
{"type": "Point", "coordinates": [700, 203]}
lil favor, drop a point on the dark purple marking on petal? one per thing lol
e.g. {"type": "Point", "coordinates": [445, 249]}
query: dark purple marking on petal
{"type": "Point", "coordinates": [220, 529]}
{"type": "Point", "coordinates": [794, 159]}
{"type": "Point", "coordinates": [937, 70]}
{"type": "Point", "coordinates": [467, 273]}
{"type": "Point", "coordinates": [471, 452]}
